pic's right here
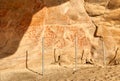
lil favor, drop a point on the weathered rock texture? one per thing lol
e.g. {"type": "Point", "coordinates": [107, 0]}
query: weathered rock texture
{"type": "Point", "coordinates": [106, 16]}
{"type": "Point", "coordinates": [92, 26]}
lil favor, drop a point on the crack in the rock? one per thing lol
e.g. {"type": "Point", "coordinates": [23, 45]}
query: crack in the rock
{"type": "Point", "coordinates": [113, 59]}
{"type": "Point", "coordinates": [96, 27]}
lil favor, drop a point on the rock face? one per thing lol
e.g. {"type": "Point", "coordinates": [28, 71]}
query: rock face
{"type": "Point", "coordinates": [91, 27]}
{"type": "Point", "coordinates": [107, 20]}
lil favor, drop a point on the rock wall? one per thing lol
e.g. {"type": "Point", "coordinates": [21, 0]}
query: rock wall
{"type": "Point", "coordinates": [90, 26]}
{"type": "Point", "coordinates": [106, 15]}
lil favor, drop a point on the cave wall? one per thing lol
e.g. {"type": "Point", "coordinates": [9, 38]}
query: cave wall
{"type": "Point", "coordinates": [94, 26]}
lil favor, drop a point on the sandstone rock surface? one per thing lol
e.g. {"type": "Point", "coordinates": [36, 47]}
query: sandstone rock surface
{"type": "Point", "coordinates": [106, 18]}
{"type": "Point", "coordinates": [94, 26]}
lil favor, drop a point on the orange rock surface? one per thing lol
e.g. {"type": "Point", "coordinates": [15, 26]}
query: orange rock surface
{"type": "Point", "coordinates": [23, 25]}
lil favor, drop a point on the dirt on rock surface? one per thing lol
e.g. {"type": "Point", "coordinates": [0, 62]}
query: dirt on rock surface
{"type": "Point", "coordinates": [58, 73]}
